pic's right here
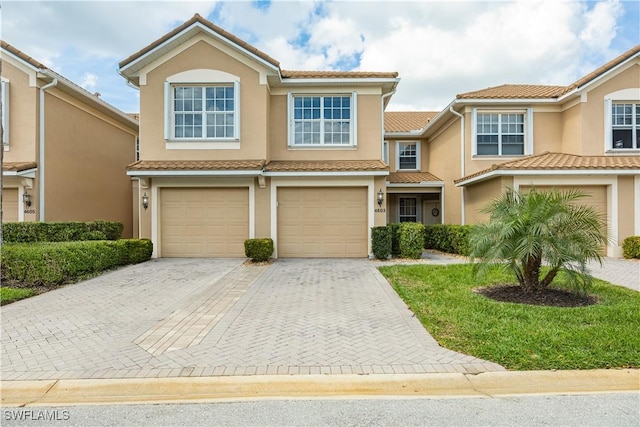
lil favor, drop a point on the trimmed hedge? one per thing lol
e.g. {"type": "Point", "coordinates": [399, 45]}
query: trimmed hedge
{"type": "Point", "coordinates": [453, 239]}
{"type": "Point", "coordinates": [381, 242]}
{"type": "Point", "coordinates": [258, 249]}
{"type": "Point", "coordinates": [411, 239]}
{"type": "Point", "coordinates": [55, 263]}
{"type": "Point", "coordinates": [631, 247]}
{"type": "Point", "coordinates": [32, 232]}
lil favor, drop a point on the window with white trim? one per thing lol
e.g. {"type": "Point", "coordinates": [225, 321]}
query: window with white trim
{"type": "Point", "coordinates": [407, 156]}
{"type": "Point", "coordinates": [204, 112]}
{"type": "Point", "coordinates": [5, 112]}
{"type": "Point", "coordinates": [322, 120]}
{"type": "Point", "coordinates": [625, 126]}
{"type": "Point", "coordinates": [500, 134]}
{"type": "Point", "coordinates": [407, 209]}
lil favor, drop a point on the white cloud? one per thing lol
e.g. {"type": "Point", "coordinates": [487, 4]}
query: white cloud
{"type": "Point", "coordinates": [89, 81]}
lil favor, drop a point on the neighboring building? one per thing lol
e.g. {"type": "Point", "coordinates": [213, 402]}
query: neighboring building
{"type": "Point", "coordinates": [233, 147]}
{"type": "Point", "coordinates": [585, 135]}
{"type": "Point", "coordinates": [65, 150]}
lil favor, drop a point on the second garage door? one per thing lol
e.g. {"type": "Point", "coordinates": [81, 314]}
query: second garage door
{"type": "Point", "coordinates": [204, 222]}
{"type": "Point", "coordinates": [322, 222]}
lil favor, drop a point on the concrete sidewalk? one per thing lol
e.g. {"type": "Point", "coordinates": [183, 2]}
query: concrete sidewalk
{"type": "Point", "coordinates": [177, 390]}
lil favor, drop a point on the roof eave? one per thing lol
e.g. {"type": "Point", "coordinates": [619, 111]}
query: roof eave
{"type": "Point", "coordinates": [187, 173]}
{"type": "Point", "coordinates": [527, 172]}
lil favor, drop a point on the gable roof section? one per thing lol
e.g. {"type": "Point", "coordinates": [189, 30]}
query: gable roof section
{"type": "Point", "coordinates": [412, 178]}
{"type": "Point", "coordinates": [558, 163]}
{"type": "Point", "coordinates": [197, 19]}
{"type": "Point", "coordinates": [326, 166]}
{"type": "Point", "coordinates": [18, 166]}
{"type": "Point", "coordinates": [510, 91]}
{"type": "Point", "coordinates": [21, 55]}
{"type": "Point", "coordinates": [407, 121]}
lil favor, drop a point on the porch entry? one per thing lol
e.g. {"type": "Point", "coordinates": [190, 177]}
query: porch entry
{"type": "Point", "coordinates": [424, 208]}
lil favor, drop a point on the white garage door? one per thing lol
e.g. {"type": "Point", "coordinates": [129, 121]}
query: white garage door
{"type": "Point", "coordinates": [203, 222]}
{"type": "Point", "coordinates": [322, 222]}
{"type": "Point", "coordinates": [10, 204]}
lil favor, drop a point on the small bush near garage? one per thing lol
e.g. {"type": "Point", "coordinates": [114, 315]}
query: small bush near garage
{"type": "Point", "coordinates": [395, 238]}
{"type": "Point", "coordinates": [258, 250]}
{"type": "Point", "coordinates": [631, 247]}
{"type": "Point", "coordinates": [453, 239]}
{"type": "Point", "coordinates": [56, 263]}
{"type": "Point", "coordinates": [381, 242]}
{"type": "Point", "coordinates": [411, 240]}
{"type": "Point", "coordinates": [31, 232]}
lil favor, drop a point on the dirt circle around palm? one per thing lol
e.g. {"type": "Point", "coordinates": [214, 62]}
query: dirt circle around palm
{"type": "Point", "coordinates": [550, 297]}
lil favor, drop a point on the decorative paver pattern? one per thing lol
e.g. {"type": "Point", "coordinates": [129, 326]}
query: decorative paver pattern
{"type": "Point", "coordinates": [293, 317]}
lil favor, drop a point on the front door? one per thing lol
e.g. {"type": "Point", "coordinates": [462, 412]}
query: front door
{"type": "Point", "coordinates": [431, 212]}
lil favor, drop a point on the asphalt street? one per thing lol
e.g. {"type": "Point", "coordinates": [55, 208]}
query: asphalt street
{"type": "Point", "coordinates": [605, 409]}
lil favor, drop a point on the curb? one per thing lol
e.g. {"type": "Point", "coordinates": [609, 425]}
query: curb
{"type": "Point", "coordinates": [203, 389]}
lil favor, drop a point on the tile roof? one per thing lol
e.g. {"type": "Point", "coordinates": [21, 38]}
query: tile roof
{"type": "Point", "coordinates": [411, 177]}
{"type": "Point", "coordinates": [290, 74]}
{"type": "Point", "coordinates": [561, 161]}
{"type": "Point", "coordinates": [407, 121]}
{"type": "Point", "coordinates": [193, 165]}
{"type": "Point", "coordinates": [515, 91]}
{"type": "Point", "coordinates": [199, 19]}
{"type": "Point", "coordinates": [18, 166]}
{"type": "Point", "coordinates": [26, 58]}
{"type": "Point", "coordinates": [524, 91]}
{"type": "Point", "coordinates": [326, 166]}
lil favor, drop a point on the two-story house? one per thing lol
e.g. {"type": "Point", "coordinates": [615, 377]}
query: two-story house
{"type": "Point", "coordinates": [65, 149]}
{"type": "Point", "coordinates": [234, 147]}
{"type": "Point", "coordinates": [585, 135]}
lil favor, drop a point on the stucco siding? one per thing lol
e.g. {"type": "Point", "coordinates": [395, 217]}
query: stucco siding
{"type": "Point", "coordinates": [23, 113]}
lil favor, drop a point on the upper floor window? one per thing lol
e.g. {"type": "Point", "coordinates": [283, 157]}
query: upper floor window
{"type": "Point", "coordinates": [204, 112]}
{"type": "Point", "coordinates": [500, 134]}
{"type": "Point", "coordinates": [322, 120]}
{"type": "Point", "coordinates": [408, 156]}
{"type": "Point", "coordinates": [5, 111]}
{"type": "Point", "coordinates": [625, 125]}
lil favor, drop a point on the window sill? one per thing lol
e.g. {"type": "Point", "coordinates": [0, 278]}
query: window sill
{"type": "Point", "coordinates": [615, 151]}
{"type": "Point", "coordinates": [322, 147]}
{"type": "Point", "coordinates": [494, 157]}
{"type": "Point", "coordinates": [202, 145]}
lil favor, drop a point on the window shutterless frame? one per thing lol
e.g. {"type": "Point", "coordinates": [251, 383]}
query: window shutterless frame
{"type": "Point", "coordinates": [502, 132]}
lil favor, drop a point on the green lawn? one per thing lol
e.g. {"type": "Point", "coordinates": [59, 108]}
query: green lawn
{"type": "Point", "coordinates": [517, 336]}
{"type": "Point", "coordinates": [8, 295]}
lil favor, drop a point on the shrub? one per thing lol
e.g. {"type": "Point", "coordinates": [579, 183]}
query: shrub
{"type": "Point", "coordinates": [411, 239]}
{"type": "Point", "coordinates": [453, 239]}
{"type": "Point", "coordinates": [30, 232]}
{"type": "Point", "coordinates": [631, 247]}
{"type": "Point", "coordinates": [395, 238]}
{"type": "Point", "coordinates": [381, 242]}
{"type": "Point", "coordinates": [258, 249]}
{"type": "Point", "coordinates": [54, 263]}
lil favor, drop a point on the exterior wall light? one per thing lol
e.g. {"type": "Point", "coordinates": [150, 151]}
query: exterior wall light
{"type": "Point", "coordinates": [26, 199]}
{"type": "Point", "coordinates": [145, 201]}
{"type": "Point", "coordinates": [380, 197]}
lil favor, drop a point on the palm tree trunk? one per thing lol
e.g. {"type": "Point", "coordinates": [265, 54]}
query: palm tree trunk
{"type": "Point", "coordinates": [532, 274]}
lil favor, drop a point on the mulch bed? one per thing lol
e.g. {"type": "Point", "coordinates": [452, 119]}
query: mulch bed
{"type": "Point", "coordinates": [547, 297]}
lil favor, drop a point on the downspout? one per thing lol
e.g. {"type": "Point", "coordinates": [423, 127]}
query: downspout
{"type": "Point", "coordinates": [41, 150]}
{"type": "Point", "coordinates": [462, 156]}
{"type": "Point", "coordinates": [385, 96]}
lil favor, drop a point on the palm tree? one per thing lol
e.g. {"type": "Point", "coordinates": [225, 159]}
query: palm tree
{"type": "Point", "coordinates": [528, 230]}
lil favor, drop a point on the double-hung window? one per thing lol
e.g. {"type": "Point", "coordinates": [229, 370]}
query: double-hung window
{"type": "Point", "coordinates": [322, 120]}
{"type": "Point", "coordinates": [408, 156]}
{"type": "Point", "coordinates": [204, 112]}
{"type": "Point", "coordinates": [625, 126]}
{"type": "Point", "coordinates": [408, 209]}
{"type": "Point", "coordinates": [500, 134]}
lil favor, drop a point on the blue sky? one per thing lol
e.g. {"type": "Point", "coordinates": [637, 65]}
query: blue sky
{"type": "Point", "coordinates": [439, 48]}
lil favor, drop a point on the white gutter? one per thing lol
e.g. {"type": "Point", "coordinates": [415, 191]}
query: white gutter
{"type": "Point", "coordinates": [41, 150]}
{"type": "Point", "coordinates": [385, 96]}
{"type": "Point", "coordinates": [328, 173]}
{"type": "Point", "coordinates": [547, 172]}
{"type": "Point", "coordinates": [462, 163]}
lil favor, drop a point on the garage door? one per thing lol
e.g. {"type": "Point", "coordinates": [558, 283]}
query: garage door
{"type": "Point", "coordinates": [9, 204]}
{"type": "Point", "coordinates": [322, 222]}
{"type": "Point", "coordinates": [203, 222]}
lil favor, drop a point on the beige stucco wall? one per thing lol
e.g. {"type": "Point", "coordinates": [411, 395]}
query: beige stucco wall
{"type": "Point", "coordinates": [626, 202]}
{"type": "Point", "coordinates": [23, 114]}
{"type": "Point", "coordinates": [86, 154]}
{"type": "Point", "coordinates": [424, 152]}
{"type": "Point", "coordinates": [253, 107]}
{"type": "Point", "coordinates": [263, 210]}
{"type": "Point", "coordinates": [368, 132]}
{"type": "Point", "coordinates": [478, 195]}
{"type": "Point", "coordinates": [444, 162]}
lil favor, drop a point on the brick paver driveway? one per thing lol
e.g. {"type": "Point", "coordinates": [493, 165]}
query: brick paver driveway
{"type": "Point", "coordinates": [203, 317]}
